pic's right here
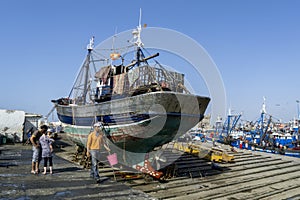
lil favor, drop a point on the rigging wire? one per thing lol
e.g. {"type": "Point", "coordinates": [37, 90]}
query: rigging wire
{"type": "Point", "coordinates": [77, 77]}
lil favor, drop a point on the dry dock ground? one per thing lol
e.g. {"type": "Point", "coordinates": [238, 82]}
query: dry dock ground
{"type": "Point", "coordinates": [253, 175]}
{"type": "Point", "coordinates": [68, 181]}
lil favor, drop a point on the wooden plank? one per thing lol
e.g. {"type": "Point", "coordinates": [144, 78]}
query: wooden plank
{"type": "Point", "coordinates": [250, 183]}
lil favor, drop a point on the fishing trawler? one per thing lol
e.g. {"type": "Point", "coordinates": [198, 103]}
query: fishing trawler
{"type": "Point", "coordinates": [263, 135]}
{"type": "Point", "coordinates": [141, 106]}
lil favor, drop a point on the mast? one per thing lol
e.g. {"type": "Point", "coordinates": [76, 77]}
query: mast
{"type": "Point", "coordinates": [228, 122]}
{"type": "Point", "coordinates": [90, 48]}
{"type": "Point", "coordinates": [232, 120]}
{"type": "Point", "coordinates": [263, 112]}
{"type": "Point", "coordinates": [298, 114]}
{"type": "Point", "coordinates": [138, 42]}
{"type": "Point", "coordinates": [263, 128]}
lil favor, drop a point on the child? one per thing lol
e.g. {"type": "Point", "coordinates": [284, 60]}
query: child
{"type": "Point", "coordinates": [47, 149]}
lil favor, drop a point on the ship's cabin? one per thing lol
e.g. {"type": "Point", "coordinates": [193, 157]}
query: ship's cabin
{"type": "Point", "coordinates": [118, 81]}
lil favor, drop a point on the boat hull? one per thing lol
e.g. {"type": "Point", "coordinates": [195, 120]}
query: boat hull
{"type": "Point", "coordinates": [135, 125]}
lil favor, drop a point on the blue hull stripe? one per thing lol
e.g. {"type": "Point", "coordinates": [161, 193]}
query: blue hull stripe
{"type": "Point", "coordinates": [115, 119]}
{"type": "Point", "coordinates": [108, 119]}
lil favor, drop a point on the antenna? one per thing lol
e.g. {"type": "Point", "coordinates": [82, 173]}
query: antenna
{"type": "Point", "coordinates": [263, 110]}
{"type": "Point", "coordinates": [90, 46]}
{"type": "Point", "coordinates": [114, 38]}
{"type": "Point", "coordinates": [297, 101]}
{"type": "Point", "coordinates": [137, 32]}
{"type": "Point", "coordinates": [229, 111]}
{"type": "Point", "coordinates": [140, 20]}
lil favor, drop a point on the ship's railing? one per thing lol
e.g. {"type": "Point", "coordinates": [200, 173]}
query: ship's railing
{"type": "Point", "coordinates": [140, 80]}
{"type": "Point", "coordinates": [146, 77]}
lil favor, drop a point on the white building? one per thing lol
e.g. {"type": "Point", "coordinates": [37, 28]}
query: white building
{"type": "Point", "coordinates": [15, 124]}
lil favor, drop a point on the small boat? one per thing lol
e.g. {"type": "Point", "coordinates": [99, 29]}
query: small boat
{"type": "Point", "coordinates": [141, 106]}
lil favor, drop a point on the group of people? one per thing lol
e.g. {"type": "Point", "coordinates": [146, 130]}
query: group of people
{"type": "Point", "coordinates": [42, 148]}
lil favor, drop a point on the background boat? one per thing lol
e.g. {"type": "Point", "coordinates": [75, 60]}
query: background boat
{"type": "Point", "coordinates": [265, 134]}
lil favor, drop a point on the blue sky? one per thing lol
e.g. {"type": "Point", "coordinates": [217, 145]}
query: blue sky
{"type": "Point", "coordinates": [255, 45]}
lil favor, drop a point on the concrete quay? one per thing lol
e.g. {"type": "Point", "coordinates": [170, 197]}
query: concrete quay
{"type": "Point", "coordinates": [68, 181]}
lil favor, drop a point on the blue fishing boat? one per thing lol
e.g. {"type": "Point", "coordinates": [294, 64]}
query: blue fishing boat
{"type": "Point", "coordinates": [263, 135]}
